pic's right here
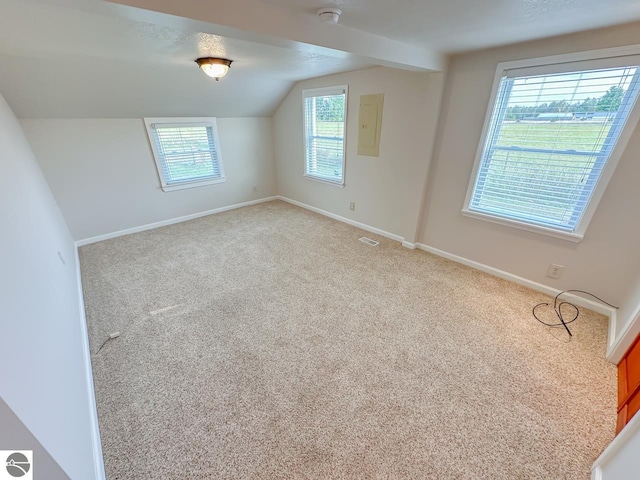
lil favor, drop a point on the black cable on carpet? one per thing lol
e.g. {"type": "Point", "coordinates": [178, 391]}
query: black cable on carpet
{"type": "Point", "coordinates": [557, 307]}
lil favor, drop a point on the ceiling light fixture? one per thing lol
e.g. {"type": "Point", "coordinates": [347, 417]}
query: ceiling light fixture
{"type": "Point", "coordinates": [214, 67]}
{"type": "Point", "coordinates": [329, 15]}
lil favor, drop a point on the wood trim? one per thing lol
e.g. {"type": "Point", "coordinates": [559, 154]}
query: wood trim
{"type": "Point", "coordinates": [622, 419]}
{"type": "Point", "coordinates": [632, 345]}
{"type": "Point", "coordinates": [622, 382]}
{"type": "Point", "coordinates": [627, 393]}
{"type": "Point", "coordinates": [630, 394]}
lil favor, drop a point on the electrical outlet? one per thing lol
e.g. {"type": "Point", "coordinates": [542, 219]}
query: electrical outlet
{"type": "Point", "coordinates": [555, 270]}
{"type": "Point", "coordinates": [352, 206]}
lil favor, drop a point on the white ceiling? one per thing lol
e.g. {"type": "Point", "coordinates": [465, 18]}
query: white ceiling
{"type": "Point", "coordinates": [459, 25]}
{"type": "Point", "coordinates": [63, 62]}
{"type": "Point", "coordinates": [134, 58]}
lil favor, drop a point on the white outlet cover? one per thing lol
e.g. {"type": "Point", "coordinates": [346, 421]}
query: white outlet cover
{"type": "Point", "coordinates": [555, 270]}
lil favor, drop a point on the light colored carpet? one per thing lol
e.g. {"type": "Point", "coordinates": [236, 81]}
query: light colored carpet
{"type": "Point", "coordinates": [268, 342]}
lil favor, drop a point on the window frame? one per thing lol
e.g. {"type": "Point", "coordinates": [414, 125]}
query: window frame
{"type": "Point", "coordinates": [610, 165]}
{"type": "Point", "coordinates": [169, 122]}
{"type": "Point", "coordinates": [317, 92]}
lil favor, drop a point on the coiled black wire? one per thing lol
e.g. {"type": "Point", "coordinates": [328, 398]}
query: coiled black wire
{"type": "Point", "coordinates": [557, 307]}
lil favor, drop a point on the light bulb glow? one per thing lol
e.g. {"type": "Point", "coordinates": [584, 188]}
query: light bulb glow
{"type": "Point", "coordinates": [215, 71]}
{"type": "Point", "coordinates": [214, 67]}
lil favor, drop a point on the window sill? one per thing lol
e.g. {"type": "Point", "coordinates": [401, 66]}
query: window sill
{"type": "Point", "coordinates": [193, 184]}
{"type": "Point", "coordinates": [324, 180]}
{"type": "Point", "coordinates": [570, 236]}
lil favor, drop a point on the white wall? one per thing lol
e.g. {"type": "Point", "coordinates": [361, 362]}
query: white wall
{"type": "Point", "coordinates": [628, 322]}
{"type": "Point", "coordinates": [619, 461]}
{"type": "Point", "coordinates": [103, 175]}
{"type": "Point", "coordinates": [45, 373]}
{"type": "Point", "coordinates": [606, 262]}
{"type": "Point", "coordinates": [630, 307]}
{"type": "Point", "coordinates": [387, 190]}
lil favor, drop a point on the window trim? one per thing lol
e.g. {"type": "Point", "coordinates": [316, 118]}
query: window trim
{"type": "Point", "coordinates": [184, 122]}
{"type": "Point", "coordinates": [316, 92]}
{"type": "Point", "coordinates": [609, 168]}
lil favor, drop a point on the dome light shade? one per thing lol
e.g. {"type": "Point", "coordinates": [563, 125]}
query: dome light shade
{"type": "Point", "coordinates": [330, 15]}
{"type": "Point", "coordinates": [214, 67]}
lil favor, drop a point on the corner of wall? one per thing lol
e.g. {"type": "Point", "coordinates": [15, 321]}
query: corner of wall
{"type": "Point", "coordinates": [98, 458]}
{"type": "Point", "coordinates": [41, 285]}
{"type": "Point", "coordinates": [622, 340]}
{"type": "Point", "coordinates": [433, 157]}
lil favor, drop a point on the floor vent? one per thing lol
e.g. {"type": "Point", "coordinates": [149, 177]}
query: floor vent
{"type": "Point", "coordinates": [368, 241]}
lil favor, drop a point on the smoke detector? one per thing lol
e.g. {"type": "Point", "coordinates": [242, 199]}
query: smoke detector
{"type": "Point", "coordinates": [329, 15]}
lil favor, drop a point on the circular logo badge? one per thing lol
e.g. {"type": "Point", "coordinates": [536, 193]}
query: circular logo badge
{"type": "Point", "coordinates": [17, 465]}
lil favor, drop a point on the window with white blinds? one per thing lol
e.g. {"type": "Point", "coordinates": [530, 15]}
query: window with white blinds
{"type": "Point", "coordinates": [186, 151]}
{"type": "Point", "coordinates": [325, 114]}
{"type": "Point", "coordinates": [548, 139]}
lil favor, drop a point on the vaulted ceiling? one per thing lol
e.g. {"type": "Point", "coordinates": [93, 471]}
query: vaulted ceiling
{"type": "Point", "coordinates": [134, 58]}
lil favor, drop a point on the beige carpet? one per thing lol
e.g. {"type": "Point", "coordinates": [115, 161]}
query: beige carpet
{"type": "Point", "coordinates": [268, 342]}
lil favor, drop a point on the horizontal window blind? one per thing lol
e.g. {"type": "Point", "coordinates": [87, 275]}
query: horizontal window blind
{"type": "Point", "coordinates": [549, 138]}
{"type": "Point", "coordinates": [187, 152]}
{"type": "Point", "coordinates": [324, 127]}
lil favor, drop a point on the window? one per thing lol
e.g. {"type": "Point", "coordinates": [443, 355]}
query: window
{"type": "Point", "coordinates": [186, 151]}
{"type": "Point", "coordinates": [550, 142]}
{"type": "Point", "coordinates": [325, 119]}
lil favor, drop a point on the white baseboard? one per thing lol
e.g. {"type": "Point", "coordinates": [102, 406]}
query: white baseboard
{"type": "Point", "coordinates": [91, 396]}
{"type": "Point", "coordinates": [171, 221]}
{"type": "Point", "coordinates": [95, 428]}
{"type": "Point", "coordinates": [615, 346]}
{"type": "Point", "coordinates": [612, 345]}
{"type": "Point", "coordinates": [363, 226]}
{"type": "Point", "coordinates": [583, 302]}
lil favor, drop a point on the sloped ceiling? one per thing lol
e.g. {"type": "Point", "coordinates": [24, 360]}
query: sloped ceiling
{"type": "Point", "coordinates": [135, 58]}
{"type": "Point", "coordinates": [64, 62]}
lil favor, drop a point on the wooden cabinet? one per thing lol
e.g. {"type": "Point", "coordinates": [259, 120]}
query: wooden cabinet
{"type": "Point", "coordinates": [629, 385]}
